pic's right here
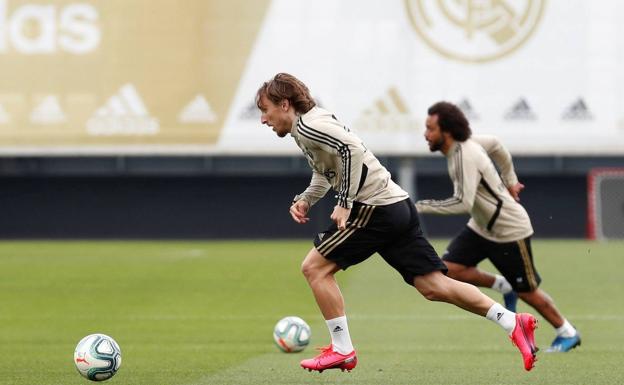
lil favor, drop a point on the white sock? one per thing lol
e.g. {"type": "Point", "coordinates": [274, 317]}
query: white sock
{"type": "Point", "coordinates": [501, 285]}
{"type": "Point", "coordinates": [566, 330]}
{"type": "Point", "coordinates": [339, 331]}
{"type": "Point", "coordinates": [503, 317]}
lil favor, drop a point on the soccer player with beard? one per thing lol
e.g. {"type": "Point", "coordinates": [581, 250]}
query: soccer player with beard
{"type": "Point", "coordinates": [499, 228]}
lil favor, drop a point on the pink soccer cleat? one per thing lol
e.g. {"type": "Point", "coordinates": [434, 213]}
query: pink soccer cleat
{"type": "Point", "coordinates": [329, 359]}
{"type": "Point", "coordinates": [524, 338]}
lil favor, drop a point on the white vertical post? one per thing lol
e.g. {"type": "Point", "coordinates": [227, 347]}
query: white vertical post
{"type": "Point", "coordinates": [407, 172]}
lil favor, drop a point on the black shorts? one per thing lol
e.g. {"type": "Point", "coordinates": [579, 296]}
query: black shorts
{"type": "Point", "coordinates": [514, 260]}
{"type": "Point", "coordinates": [393, 231]}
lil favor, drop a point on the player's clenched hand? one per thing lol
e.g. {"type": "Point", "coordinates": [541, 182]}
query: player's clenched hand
{"type": "Point", "coordinates": [340, 215]}
{"type": "Point", "coordinates": [298, 211]}
{"type": "Point", "coordinates": [515, 191]}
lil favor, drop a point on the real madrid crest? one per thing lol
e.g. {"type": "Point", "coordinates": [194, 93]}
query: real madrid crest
{"type": "Point", "coordinates": [475, 30]}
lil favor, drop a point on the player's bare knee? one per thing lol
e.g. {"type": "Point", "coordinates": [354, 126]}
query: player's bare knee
{"type": "Point", "coordinates": [313, 271]}
{"type": "Point", "coordinates": [431, 292]}
{"type": "Point", "coordinates": [308, 270]}
{"type": "Point", "coordinates": [432, 286]}
{"type": "Point", "coordinates": [435, 294]}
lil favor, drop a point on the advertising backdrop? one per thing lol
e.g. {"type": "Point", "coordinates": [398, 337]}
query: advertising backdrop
{"type": "Point", "coordinates": [171, 77]}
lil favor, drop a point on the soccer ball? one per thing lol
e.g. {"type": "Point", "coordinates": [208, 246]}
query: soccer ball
{"type": "Point", "coordinates": [291, 334]}
{"type": "Point", "coordinates": [97, 357]}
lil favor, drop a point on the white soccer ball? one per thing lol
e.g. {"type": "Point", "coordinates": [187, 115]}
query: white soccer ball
{"type": "Point", "coordinates": [292, 334]}
{"type": "Point", "coordinates": [97, 357]}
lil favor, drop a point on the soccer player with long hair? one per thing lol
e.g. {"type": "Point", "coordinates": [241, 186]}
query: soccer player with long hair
{"type": "Point", "coordinates": [372, 214]}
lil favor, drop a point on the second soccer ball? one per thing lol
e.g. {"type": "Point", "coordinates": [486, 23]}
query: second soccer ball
{"type": "Point", "coordinates": [291, 334]}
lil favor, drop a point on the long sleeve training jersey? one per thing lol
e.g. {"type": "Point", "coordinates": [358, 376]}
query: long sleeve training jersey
{"type": "Point", "coordinates": [339, 160]}
{"type": "Point", "coordinates": [480, 191]}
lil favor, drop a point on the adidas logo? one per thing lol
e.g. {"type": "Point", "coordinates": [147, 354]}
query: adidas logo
{"type": "Point", "coordinates": [197, 111]}
{"type": "Point", "coordinates": [577, 111]}
{"type": "Point", "coordinates": [337, 329]}
{"type": "Point", "coordinates": [390, 103]}
{"type": "Point", "coordinates": [388, 113]}
{"type": "Point", "coordinates": [48, 111]}
{"type": "Point", "coordinates": [520, 111]}
{"type": "Point", "coordinates": [321, 236]}
{"type": "Point", "coordinates": [499, 316]}
{"type": "Point", "coordinates": [467, 109]}
{"type": "Point", "coordinates": [123, 114]}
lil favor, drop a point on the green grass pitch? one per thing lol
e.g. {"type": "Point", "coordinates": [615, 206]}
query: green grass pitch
{"type": "Point", "coordinates": [202, 313]}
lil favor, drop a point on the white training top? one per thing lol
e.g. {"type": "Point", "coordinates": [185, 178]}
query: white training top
{"type": "Point", "coordinates": [480, 191]}
{"type": "Point", "coordinates": [339, 160]}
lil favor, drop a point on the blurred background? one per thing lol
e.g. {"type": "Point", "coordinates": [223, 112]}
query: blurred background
{"type": "Point", "coordinates": [136, 119]}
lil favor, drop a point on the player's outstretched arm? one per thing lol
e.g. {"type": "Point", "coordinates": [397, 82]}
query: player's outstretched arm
{"type": "Point", "coordinates": [465, 182]}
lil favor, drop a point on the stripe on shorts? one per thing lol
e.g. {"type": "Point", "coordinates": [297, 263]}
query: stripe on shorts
{"type": "Point", "coordinates": [528, 266]}
{"type": "Point", "coordinates": [361, 220]}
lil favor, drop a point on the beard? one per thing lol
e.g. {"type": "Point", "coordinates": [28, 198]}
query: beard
{"type": "Point", "coordinates": [436, 146]}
